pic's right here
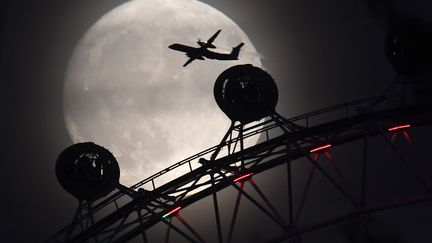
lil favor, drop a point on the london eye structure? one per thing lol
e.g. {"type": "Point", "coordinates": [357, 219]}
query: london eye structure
{"type": "Point", "coordinates": [305, 173]}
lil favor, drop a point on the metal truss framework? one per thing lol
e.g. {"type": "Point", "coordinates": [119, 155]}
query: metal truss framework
{"type": "Point", "coordinates": [129, 212]}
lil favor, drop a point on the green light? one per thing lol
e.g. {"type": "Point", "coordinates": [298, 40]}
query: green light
{"type": "Point", "coordinates": [172, 212]}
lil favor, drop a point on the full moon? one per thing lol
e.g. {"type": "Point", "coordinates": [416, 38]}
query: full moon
{"type": "Point", "coordinates": [127, 91]}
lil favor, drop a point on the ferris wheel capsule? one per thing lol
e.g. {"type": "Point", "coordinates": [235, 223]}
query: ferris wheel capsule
{"type": "Point", "coordinates": [87, 171]}
{"type": "Point", "coordinates": [245, 93]}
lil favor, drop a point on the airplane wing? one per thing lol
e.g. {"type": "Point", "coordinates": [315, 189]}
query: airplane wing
{"type": "Point", "coordinates": [188, 61]}
{"type": "Point", "coordinates": [209, 41]}
{"type": "Point", "coordinates": [182, 48]}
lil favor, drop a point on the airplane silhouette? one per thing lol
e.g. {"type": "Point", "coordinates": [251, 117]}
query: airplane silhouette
{"type": "Point", "coordinates": [202, 52]}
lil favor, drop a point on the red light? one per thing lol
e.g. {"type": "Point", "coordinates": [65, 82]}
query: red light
{"type": "Point", "coordinates": [399, 127]}
{"type": "Point", "coordinates": [243, 177]}
{"type": "Point", "coordinates": [175, 210]}
{"type": "Point", "coordinates": [320, 148]}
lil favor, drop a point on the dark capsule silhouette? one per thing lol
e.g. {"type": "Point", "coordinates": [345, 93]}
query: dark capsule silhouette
{"type": "Point", "coordinates": [409, 47]}
{"type": "Point", "coordinates": [87, 171]}
{"type": "Point", "coordinates": [245, 93]}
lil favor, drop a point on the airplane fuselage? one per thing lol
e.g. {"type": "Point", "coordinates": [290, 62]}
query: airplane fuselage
{"type": "Point", "coordinates": [203, 51]}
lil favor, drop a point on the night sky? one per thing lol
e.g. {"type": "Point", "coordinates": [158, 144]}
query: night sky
{"type": "Point", "coordinates": [320, 53]}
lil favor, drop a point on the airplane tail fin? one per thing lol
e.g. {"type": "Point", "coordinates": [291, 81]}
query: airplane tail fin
{"type": "Point", "coordinates": [236, 50]}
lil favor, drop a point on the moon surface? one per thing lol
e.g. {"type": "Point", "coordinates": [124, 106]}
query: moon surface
{"type": "Point", "coordinates": [127, 91]}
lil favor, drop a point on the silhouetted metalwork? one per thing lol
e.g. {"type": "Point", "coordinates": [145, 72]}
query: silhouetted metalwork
{"type": "Point", "coordinates": [202, 52]}
{"type": "Point", "coordinates": [229, 165]}
{"type": "Point", "coordinates": [87, 171]}
{"type": "Point", "coordinates": [248, 96]}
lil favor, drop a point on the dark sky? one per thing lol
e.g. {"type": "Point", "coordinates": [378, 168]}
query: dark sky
{"type": "Point", "coordinates": [320, 53]}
